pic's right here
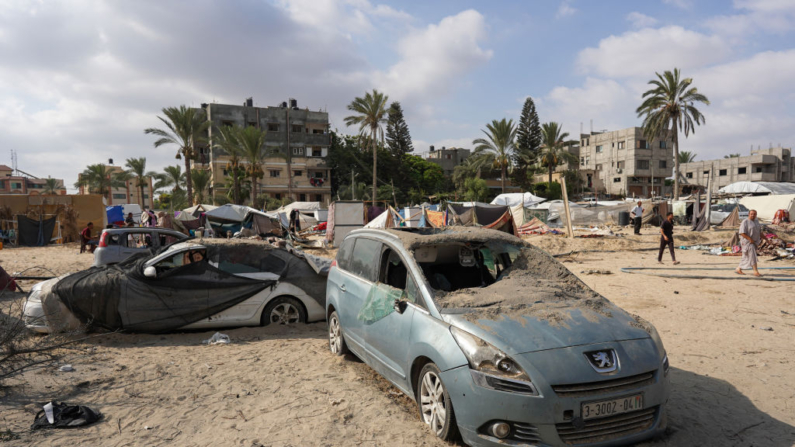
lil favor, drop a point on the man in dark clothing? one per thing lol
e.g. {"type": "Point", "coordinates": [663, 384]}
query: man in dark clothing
{"type": "Point", "coordinates": [129, 221]}
{"type": "Point", "coordinates": [86, 239]}
{"type": "Point", "coordinates": [667, 239]}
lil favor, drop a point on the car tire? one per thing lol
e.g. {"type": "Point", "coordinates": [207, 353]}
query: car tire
{"type": "Point", "coordinates": [336, 341]}
{"type": "Point", "coordinates": [433, 401]}
{"type": "Point", "coordinates": [283, 310]}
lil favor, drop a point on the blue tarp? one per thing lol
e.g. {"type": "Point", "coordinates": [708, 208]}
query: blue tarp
{"type": "Point", "coordinates": [115, 213]}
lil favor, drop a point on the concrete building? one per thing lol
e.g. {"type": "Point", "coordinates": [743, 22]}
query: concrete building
{"type": "Point", "coordinates": [624, 162]}
{"type": "Point", "coordinates": [11, 183]}
{"type": "Point", "coordinates": [763, 165]}
{"type": "Point", "coordinates": [129, 193]}
{"type": "Point", "coordinates": [301, 133]}
{"type": "Point", "coordinates": [448, 159]}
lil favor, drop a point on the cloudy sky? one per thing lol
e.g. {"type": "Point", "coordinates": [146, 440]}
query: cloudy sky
{"type": "Point", "coordinates": [81, 79]}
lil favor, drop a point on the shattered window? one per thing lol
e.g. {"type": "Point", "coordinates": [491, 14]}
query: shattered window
{"type": "Point", "coordinates": [454, 266]}
{"type": "Point", "coordinates": [364, 260]}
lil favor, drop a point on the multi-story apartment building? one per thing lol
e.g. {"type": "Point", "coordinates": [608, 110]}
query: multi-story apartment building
{"type": "Point", "coordinates": [301, 134]}
{"type": "Point", "coordinates": [129, 193]}
{"type": "Point", "coordinates": [624, 162]}
{"type": "Point", "coordinates": [18, 184]}
{"type": "Point", "coordinates": [763, 165]}
{"type": "Point", "coordinates": [448, 159]}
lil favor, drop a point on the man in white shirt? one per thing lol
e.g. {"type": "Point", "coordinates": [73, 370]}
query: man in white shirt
{"type": "Point", "coordinates": [637, 214]}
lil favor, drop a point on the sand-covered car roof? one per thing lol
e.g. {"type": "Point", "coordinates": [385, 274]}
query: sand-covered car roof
{"type": "Point", "coordinates": [413, 238]}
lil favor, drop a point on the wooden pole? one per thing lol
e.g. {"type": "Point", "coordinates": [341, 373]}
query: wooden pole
{"type": "Point", "coordinates": [566, 206]}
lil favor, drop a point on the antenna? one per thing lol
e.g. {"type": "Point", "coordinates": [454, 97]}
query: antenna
{"type": "Point", "coordinates": [14, 162]}
{"type": "Point", "coordinates": [580, 127]}
{"type": "Point", "coordinates": [591, 126]}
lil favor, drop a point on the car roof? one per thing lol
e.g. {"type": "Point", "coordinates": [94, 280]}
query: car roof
{"type": "Point", "coordinates": [411, 238]}
{"type": "Point", "coordinates": [140, 229]}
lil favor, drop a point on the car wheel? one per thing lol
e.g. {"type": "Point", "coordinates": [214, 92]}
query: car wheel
{"type": "Point", "coordinates": [436, 409]}
{"type": "Point", "coordinates": [335, 340]}
{"type": "Point", "coordinates": [283, 310]}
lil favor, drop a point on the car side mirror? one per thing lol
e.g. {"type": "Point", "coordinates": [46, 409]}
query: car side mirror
{"type": "Point", "coordinates": [400, 306]}
{"type": "Point", "coordinates": [150, 272]}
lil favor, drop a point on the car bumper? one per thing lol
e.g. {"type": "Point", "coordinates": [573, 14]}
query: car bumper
{"type": "Point", "coordinates": [539, 420]}
{"type": "Point", "coordinates": [34, 318]}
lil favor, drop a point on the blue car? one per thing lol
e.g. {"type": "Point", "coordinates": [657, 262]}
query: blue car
{"type": "Point", "coordinates": [497, 342]}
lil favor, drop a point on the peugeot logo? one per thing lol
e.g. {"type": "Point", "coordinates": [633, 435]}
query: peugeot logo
{"type": "Point", "coordinates": [605, 361]}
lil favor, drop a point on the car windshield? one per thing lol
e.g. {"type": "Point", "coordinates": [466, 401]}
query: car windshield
{"type": "Point", "coordinates": [460, 265]}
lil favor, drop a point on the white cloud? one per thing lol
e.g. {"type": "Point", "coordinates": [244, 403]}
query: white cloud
{"type": "Point", "coordinates": [565, 10]}
{"type": "Point", "coordinates": [348, 17]}
{"type": "Point", "coordinates": [431, 59]}
{"type": "Point", "coordinates": [769, 16]}
{"type": "Point", "coordinates": [648, 50]}
{"type": "Point", "coordinates": [681, 4]}
{"type": "Point", "coordinates": [639, 20]}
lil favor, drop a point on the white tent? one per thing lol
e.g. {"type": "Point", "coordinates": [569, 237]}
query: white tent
{"type": "Point", "coordinates": [305, 220]}
{"type": "Point", "coordinates": [201, 208]}
{"type": "Point", "coordinates": [387, 219]}
{"type": "Point", "coordinates": [230, 213]}
{"type": "Point", "coordinates": [307, 207]}
{"type": "Point", "coordinates": [766, 206]}
{"type": "Point", "coordinates": [758, 188]}
{"type": "Point", "coordinates": [513, 199]}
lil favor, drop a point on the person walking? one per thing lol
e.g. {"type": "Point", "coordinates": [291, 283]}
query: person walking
{"type": "Point", "coordinates": [667, 238]}
{"type": "Point", "coordinates": [637, 214]}
{"type": "Point", "coordinates": [750, 238]}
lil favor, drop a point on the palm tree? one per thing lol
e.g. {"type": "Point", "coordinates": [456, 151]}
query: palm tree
{"type": "Point", "coordinates": [371, 115]}
{"type": "Point", "coordinates": [51, 186]}
{"type": "Point", "coordinates": [497, 149]}
{"type": "Point", "coordinates": [669, 107]}
{"type": "Point", "coordinates": [227, 142]}
{"type": "Point", "coordinates": [554, 149]}
{"type": "Point", "coordinates": [252, 140]}
{"type": "Point", "coordinates": [243, 185]}
{"type": "Point", "coordinates": [171, 176]}
{"type": "Point", "coordinates": [201, 180]}
{"type": "Point", "coordinates": [100, 180]}
{"type": "Point", "coordinates": [686, 157]}
{"type": "Point", "coordinates": [137, 168]}
{"type": "Point", "coordinates": [186, 128]}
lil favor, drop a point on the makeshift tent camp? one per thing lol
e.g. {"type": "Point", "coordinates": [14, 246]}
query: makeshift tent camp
{"type": "Point", "coordinates": [307, 221]}
{"type": "Point", "coordinates": [388, 219]}
{"type": "Point", "coordinates": [228, 213]}
{"type": "Point", "coordinates": [778, 188]}
{"type": "Point", "coordinates": [497, 217]}
{"type": "Point", "coordinates": [304, 207]}
{"type": "Point", "coordinates": [766, 206]}
{"type": "Point", "coordinates": [198, 209]}
{"type": "Point", "coordinates": [34, 233]}
{"type": "Point", "coordinates": [513, 199]}
{"type": "Point", "coordinates": [732, 220]}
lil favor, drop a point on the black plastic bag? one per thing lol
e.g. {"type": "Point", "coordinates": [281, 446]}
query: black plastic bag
{"type": "Point", "coordinates": [66, 416]}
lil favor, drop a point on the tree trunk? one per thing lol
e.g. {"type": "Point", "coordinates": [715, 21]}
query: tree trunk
{"type": "Point", "coordinates": [503, 178]}
{"type": "Point", "coordinates": [141, 186]}
{"type": "Point", "coordinates": [188, 180]}
{"type": "Point", "coordinates": [550, 177]}
{"type": "Point", "coordinates": [375, 164]}
{"type": "Point", "coordinates": [676, 160]}
{"type": "Point", "coordinates": [236, 185]}
{"type": "Point", "coordinates": [253, 188]}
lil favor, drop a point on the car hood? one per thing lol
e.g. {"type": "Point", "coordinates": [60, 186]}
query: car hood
{"type": "Point", "coordinates": [522, 332]}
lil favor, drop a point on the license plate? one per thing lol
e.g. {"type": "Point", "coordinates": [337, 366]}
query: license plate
{"type": "Point", "coordinates": [592, 410]}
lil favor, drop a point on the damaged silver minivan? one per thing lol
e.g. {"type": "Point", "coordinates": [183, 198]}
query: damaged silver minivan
{"type": "Point", "coordinates": [495, 340]}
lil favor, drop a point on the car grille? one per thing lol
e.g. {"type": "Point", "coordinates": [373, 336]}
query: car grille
{"type": "Point", "coordinates": [605, 386]}
{"type": "Point", "coordinates": [607, 429]}
{"type": "Point", "coordinates": [524, 433]}
{"type": "Point", "coordinates": [510, 386]}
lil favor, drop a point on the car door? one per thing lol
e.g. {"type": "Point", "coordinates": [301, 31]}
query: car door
{"type": "Point", "coordinates": [137, 242]}
{"type": "Point", "coordinates": [354, 285]}
{"type": "Point", "coordinates": [387, 331]}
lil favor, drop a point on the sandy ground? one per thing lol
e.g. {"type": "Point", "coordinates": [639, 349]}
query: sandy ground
{"type": "Point", "coordinates": [732, 381]}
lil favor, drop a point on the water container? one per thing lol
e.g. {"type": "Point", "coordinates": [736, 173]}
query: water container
{"type": "Point", "coordinates": [623, 218]}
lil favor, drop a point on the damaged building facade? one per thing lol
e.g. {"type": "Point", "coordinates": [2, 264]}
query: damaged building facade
{"type": "Point", "coordinates": [774, 164]}
{"type": "Point", "coordinates": [300, 134]}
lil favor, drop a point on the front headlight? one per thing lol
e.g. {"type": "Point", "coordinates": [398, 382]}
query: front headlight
{"type": "Point", "coordinates": [492, 368]}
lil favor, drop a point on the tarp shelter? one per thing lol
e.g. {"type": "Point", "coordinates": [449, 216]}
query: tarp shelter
{"type": "Point", "coordinates": [766, 206]}
{"type": "Point", "coordinates": [115, 214]}
{"type": "Point", "coordinates": [228, 213]}
{"type": "Point", "coordinates": [307, 221]}
{"type": "Point", "coordinates": [303, 207]}
{"type": "Point", "coordinates": [344, 217]}
{"type": "Point", "coordinates": [265, 225]}
{"type": "Point", "coordinates": [34, 233]}
{"type": "Point", "coordinates": [514, 199]}
{"type": "Point", "coordinates": [732, 220]}
{"type": "Point", "coordinates": [388, 219]}
{"type": "Point", "coordinates": [412, 216]}
{"type": "Point", "coordinates": [497, 217]}
{"type": "Point", "coordinates": [759, 188]}
{"type": "Point", "coordinates": [197, 210]}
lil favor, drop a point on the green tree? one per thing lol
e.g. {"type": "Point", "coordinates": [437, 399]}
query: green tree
{"type": "Point", "coordinates": [497, 148]}
{"type": "Point", "coordinates": [732, 156]}
{"type": "Point", "coordinates": [528, 144]}
{"type": "Point", "coordinates": [476, 190]}
{"type": "Point", "coordinates": [243, 184]}
{"type": "Point", "coordinates": [371, 112]}
{"type": "Point", "coordinates": [98, 179]}
{"type": "Point", "coordinates": [136, 168]}
{"type": "Point", "coordinates": [686, 157]}
{"type": "Point", "coordinates": [186, 128]}
{"type": "Point", "coordinates": [51, 186]}
{"type": "Point", "coordinates": [252, 142]}
{"type": "Point", "coordinates": [398, 138]}
{"type": "Point", "coordinates": [669, 108]}
{"type": "Point", "coordinates": [227, 142]}
{"type": "Point", "coordinates": [201, 180]}
{"type": "Point", "coordinates": [171, 176]}
{"type": "Point", "coordinates": [357, 191]}
{"type": "Point", "coordinates": [554, 151]}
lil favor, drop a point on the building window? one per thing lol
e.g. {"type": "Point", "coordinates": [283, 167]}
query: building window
{"type": "Point", "coordinates": [689, 175]}
{"type": "Point", "coordinates": [318, 174]}
{"type": "Point", "coordinates": [616, 179]}
{"type": "Point", "coordinates": [598, 167]}
{"type": "Point", "coordinates": [298, 151]}
{"type": "Point", "coordinates": [621, 144]}
{"type": "Point", "coordinates": [741, 170]}
{"type": "Point", "coordinates": [16, 185]}
{"type": "Point", "coordinates": [272, 127]}
{"type": "Point", "coordinates": [620, 164]}
{"type": "Point", "coordinates": [585, 142]}
{"type": "Point", "coordinates": [316, 152]}
{"type": "Point", "coordinates": [643, 164]}
{"type": "Point", "coordinates": [722, 172]}
{"type": "Point", "coordinates": [663, 164]}
{"type": "Point", "coordinates": [119, 196]}
{"type": "Point", "coordinates": [297, 128]}
{"type": "Point", "coordinates": [582, 161]}
{"type": "Point", "coordinates": [662, 145]}
{"type": "Point", "coordinates": [643, 144]}
{"type": "Point", "coordinates": [706, 172]}
{"type": "Point", "coordinates": [758, 169]}
{"type": "Point", "coordinates": [146, 196]}
{"type": "Point", "coordinates": [599, 149]}
{"type": "Point", "coordinates": [277, 196]}
{"type": "Point", "coordinates": [302, 197]}
{"type": "Point", "coordinates": [2, 184]}
{"type": "Point", "coordinates": [317, 131]}
{"type": "Point", "coordinates": [318, 197]}
{"type": "Point", "coordinates": [275, 173]}
{"type": "Point", "coordinates": [298, 173]}
{"type": "Point", "coordinates": [227, 123]}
